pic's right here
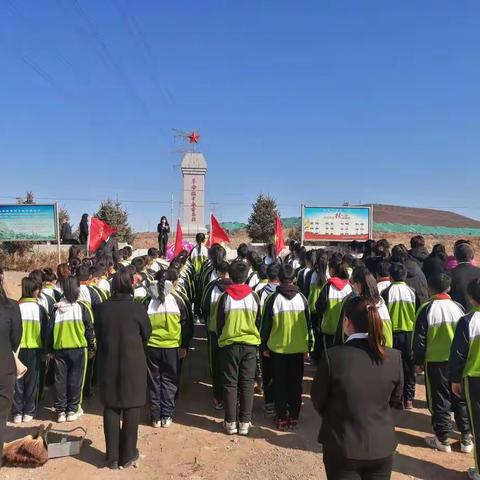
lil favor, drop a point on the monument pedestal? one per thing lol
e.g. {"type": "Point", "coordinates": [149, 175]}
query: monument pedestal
{"type": "Point", "coordinates": [194, 169]}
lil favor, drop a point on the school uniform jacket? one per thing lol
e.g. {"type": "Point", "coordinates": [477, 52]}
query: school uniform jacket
{"type": "Point", "coordinates": [35, 322]}
{"type": "Point", "coordinates": [435, 328]}
{"type": "Point", "coordinates": [211, 297]}
{"type": "Point", "coordinates": [402, 303]}
{"type": "Point", "coordinates": [89, 295]}
{"type": "Point", "coordinates": [198, 257]}
{"type": "Point", "coordinates": [170, 323]}
{"type": "Point", "coordinates": [465, 352]}
{"type": "Point", "coordinates": [330, 302]}
{"type": "Point", "coordinates": [286, 326]}
{"type": "Point", "coordinates": [238, 317]}
{"type": "Point", "coordinates": [72, 326]}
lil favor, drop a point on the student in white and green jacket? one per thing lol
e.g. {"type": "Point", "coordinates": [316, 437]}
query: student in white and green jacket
{"type": "Point", "coordinates": [212, 295]}
{"type": "Point", "coordinates": [329, 305]}
{"type": "Point", "coordinates": [402, 303]}
{"type": "Point", "coordinates": [435, 327]}
{"type": "Point", "coordinates": [32, 347]}
{"type": "Point", "coordinates": [464, 367]}
{"type": "Point", "coordinates": [238, 322]}
{"type": "Point", "coordinates": [72, 340]}
{"type": "Point", "coordinates": [287, 339]}
{"type": "Point", "coordinates": [199, 253]}
{"type": "Point", "coordinates": [168, 344]}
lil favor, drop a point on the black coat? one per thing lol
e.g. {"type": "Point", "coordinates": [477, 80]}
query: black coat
{"type": "Point", "coordinates": [416, 279]}
{"type": "Point", "coordinates": [122, 330]}
{"type": "Point", "coordinates": [462, 275]}
{"type": "Point", "coordinates": [10, 335]}
{"type": "Point", "coordinates": [65, 232]}
{"type": "Point", "coordinates": [419, 254]}
{"type": "Point", "coordinates": [354, 396]}
{"type": "Point", "coordinates": [433, 266]}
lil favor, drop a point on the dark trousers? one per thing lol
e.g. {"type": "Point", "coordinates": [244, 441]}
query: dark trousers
{"type": "Point", "coordinates": [471, 388]}
{"type": "Point", "coordinates": [316, 354]}
{"type": "Point", "coordinates": [341, 468]}
{"type": "Point", "coordinates": [287, 382]}
{"type": "Point", "coordinates": [403, 341]}
{"type": "Point", "coordinates": [163, 370]}
{"type": "Point", "coordinates": [441, 401]}
{"type": "Point", "coordinates": [238, 367]}
{"type": "Point", "coordinates": [267, 380]}
{"type": "Point", "coordinates": [70, 365]}
{"type": "Point", "coordinates": [162, 245]}
{"type": "Point", "coordinates": [215, 367]}
{"type": "Point", "coordinates": [87, 390]}
{"type": "Point", "coordinates": [25, 397]}
{"type": "Point", "coordinates": [7, 384]}
{"type": "Point", "coordinates": [121, 441]}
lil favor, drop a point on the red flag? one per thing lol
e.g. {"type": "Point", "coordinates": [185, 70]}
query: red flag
{"type": "Point", "coordinates": [217, 233]}
{"type": "Point", "coordinates": [99, 232]}
{"type": "Point", "coordinates": [279, 244]}
{"type": "Point", "coordinates": [178, 240]}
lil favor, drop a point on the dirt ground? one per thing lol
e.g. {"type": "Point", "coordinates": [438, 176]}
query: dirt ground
{"type": "Point", "coordinates": [195, 447]}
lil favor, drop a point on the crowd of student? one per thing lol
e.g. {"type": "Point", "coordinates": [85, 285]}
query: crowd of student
{"type": "Point", "coordinates": [264, 318]}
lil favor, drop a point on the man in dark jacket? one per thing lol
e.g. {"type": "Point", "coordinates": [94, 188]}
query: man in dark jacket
{"type": "Point", "coordinates": [418, 251]}
{"type": "Point", "coordinates": [66, 236]}
{"type": "Point", "coordinates": [463, 274]}
{"type": "Point", "coordinates": [415, 277]}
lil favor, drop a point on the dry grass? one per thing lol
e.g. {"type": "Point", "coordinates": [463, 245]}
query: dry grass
{"type": "Point", "coordinates": [30, 261]}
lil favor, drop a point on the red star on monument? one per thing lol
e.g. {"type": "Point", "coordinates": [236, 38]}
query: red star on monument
{"type": "Point", "coordinates": [193, 137]}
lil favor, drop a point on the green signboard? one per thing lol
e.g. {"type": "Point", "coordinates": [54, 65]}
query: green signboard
{"type": "Point", "coordinates": [28, 223]}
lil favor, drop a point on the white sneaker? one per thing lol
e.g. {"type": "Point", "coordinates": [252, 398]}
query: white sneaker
{"type": "Point", "coordinates": [27, 418]}
{"type": "Point", "coordinates": [244, 428]}
{"type": "Point", "coordinates": [166, 422]}
{"type": "Point", "coordinates": [72, 416]}
{"type": "Point", "coordinates": [472, 474]}
{"type": "Point", "coordinates": [62, 418]}
{"type": "Point", "coordinates": [435, 443]}
{"type": "Point", "coordinates": [230, 427]}
{"type": "Point", "coordinates": [466, 443]}
{"type": "Point", "coordinates": [17, 419]}
{"type": "Point", "coordinates": [156, 424]}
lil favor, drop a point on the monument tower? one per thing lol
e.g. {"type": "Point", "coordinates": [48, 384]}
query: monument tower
{"type": "Point", "coordinates": [194, 169]}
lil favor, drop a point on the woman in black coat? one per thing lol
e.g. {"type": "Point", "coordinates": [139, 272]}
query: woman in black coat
{"type": "Point", "coordinates": [163, 230]}
{"type": "Point", "coordinates": [354, 389]}
{"type": "Point", "coordinates": [10, 337]}
{"type": "Point", "coordinates": [434, 264]}
{"type": "Point", "coordinates": [122, 331]}
{"type": "Point", "coordinates": [83, 229]}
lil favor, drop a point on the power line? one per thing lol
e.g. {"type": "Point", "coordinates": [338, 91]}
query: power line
{"type": "Point", "coordinates": [147, 57]}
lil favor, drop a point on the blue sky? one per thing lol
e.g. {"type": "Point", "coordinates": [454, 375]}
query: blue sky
{"type": "Point", "coordinates": [318, 102]}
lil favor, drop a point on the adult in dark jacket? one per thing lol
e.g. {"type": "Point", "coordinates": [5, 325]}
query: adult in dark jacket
{"type": "Point", "coordinates": [434, 264]}
{"type": "Point", "coordinates": [10, 337]}
{"type": "Point", "coordinates": [163, 229]}
{"type": "Point", "coordinates": [415, 277]}
{"type": "Point", "coordinates": [122, 331]}
{"type": "Point", "coordinates": [83, 229]}
{"type": "Point", "coordinates": [418, 251]}
{"type": "Point", "coordinates": [463, 274]}
{"type": "Point", "coordinates": [66, 236]}
{"type": "Point", "coordinates": [358, 432]}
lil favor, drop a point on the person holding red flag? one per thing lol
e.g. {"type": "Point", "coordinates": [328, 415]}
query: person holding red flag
{"type": "Point", "coordinates": [279, 243]}
{"type": "Point", "coordinates": [217, 233]}
{"type": "Point", "coordinates": [99, 233]}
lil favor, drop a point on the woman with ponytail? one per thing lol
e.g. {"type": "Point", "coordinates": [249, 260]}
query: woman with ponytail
{"type": "Point", "coordinates": [364, 284]}
{"type": "Point", "coordinates": [356, 386]}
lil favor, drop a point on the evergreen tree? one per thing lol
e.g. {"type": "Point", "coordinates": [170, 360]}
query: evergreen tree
{"type": "Point", "coordinates": [261, 223]}
{"type": "Point", "coordinates": [112, 212]}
